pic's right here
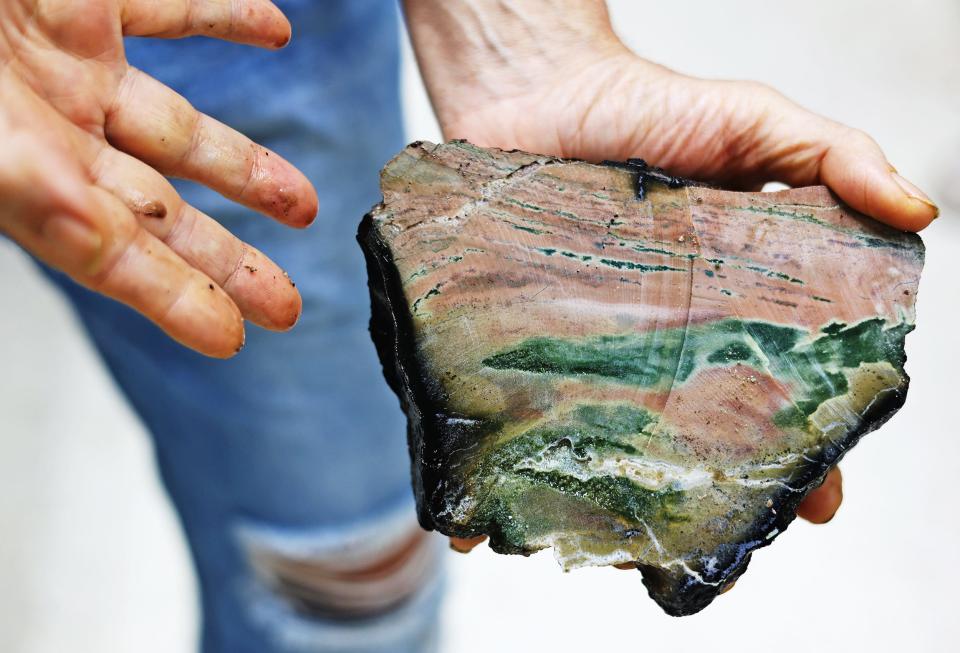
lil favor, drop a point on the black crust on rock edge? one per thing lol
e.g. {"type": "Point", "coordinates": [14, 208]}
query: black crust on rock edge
{"type": "Point", "coordinates": [687, 597]}
{"type": "Point", "coordinates": [391, 328]}
{"type": "Point", "coordinates": [429, 427]}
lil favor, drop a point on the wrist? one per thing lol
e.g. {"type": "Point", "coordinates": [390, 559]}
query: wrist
{"type": "Point", "coordinates": [482, 53]}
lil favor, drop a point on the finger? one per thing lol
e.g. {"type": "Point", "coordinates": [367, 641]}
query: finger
{"type": "Point", "coordinates": [856, 169]}
{"type": "Point", "coordinates": [158, 126]}
{"type": "Point", "coordinates": [254, 22]}
{"type": "Point", "coordinates": [846, 160]}
{"type": "Point", "coordinates": [123, 261]}
{"type": "Point", "coordinates": [261, 290]}
{"type": "Point", "coordinates": [822, 504]}
{"type": "Point", "coordinates": [137, 269]}
{"type": "Point", "coordinates": [466, 544]}
{"type": "Point", "coordinates": [51, 210]}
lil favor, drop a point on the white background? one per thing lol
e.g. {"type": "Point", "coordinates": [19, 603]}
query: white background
{"type": "Point", "coordinates": [91, 559]}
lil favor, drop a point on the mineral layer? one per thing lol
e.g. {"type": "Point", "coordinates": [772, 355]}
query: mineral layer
{"type": "Point", "coordinates": [603, 360]}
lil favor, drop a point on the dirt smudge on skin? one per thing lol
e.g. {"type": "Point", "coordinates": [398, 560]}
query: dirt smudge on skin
{"type": "Point", "coordinates": [285, 201]}
{"type": "Point", "coordinates": [150, 209]}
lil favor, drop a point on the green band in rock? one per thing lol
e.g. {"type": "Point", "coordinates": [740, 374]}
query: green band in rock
{"type": "Point", "coordinates": [658, 380]}
{"type": "Point", "coordinates": [814, 366]}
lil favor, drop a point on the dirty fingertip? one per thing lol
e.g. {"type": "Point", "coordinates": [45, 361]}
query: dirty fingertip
{"type": "Point", "coordinates": [466, 544]}
{"type": "Point", "coordinates": [900, 203]}
{"type": "Point", "coordinates": [232, 342]}
{"type": "Point", "coordinates": [919, 210]}
{"type": "Point", "coordinates": [265, 293]}
{"type": "Point", "coordinates": [276, 28]}
{"type": "Point", "coordinates": [285, 33]}
{"type": "Point", "coordinates": [285, 193]}
{"type": "Point", "coordinates": [291, 315]}
{"type": "Point", "coordinates": [227, 343]}
{"type": "Point", "coordinates": [305, 212]}
{"type": "Point", "coordinates": [239, 347]}
{"type": "Point", "coordinates": [209, 321]}
{"type": "Point", "coordinates": [859, 173]}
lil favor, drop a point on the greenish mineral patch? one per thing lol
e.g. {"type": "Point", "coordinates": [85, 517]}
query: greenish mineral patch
{"type": "Point", "coordinates": [866, 239]}
{"type": "Point", "coordinates": [635, 369]}
{"type": "Point", "coordinates": [630, 265]}
{"type": "Point", "coordinates": [433, 292]}
{"type": "Point", "coordinates": [813, 365]}
{"type": "Point", "coordinates": [563, 456]}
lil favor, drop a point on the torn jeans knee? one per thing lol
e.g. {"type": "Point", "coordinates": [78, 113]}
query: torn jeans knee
{"type": "Point", "coordinates": [367, 579]}
{"type": "Point", "coordinates": [344, 574]}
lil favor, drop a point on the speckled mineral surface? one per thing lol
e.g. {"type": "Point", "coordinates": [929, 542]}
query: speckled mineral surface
{"type": "Point", "coordinates": [624, 367]}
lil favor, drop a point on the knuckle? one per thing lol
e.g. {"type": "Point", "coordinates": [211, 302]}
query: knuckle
{"type": "Point", "coordinates": [191, 123]}
{"type": "Point", "coordinates": [761, 91]}
{"type": "Point", "coordinates": [125, 89]}
{"type": "Point", "coordinates": [228, 280]}
{"type": "Point", "coordinates": [861, 138]}
{"type": "Point", "coordinates": [180, 227]}
{"type": "Point", "coordinates": [253, 170]}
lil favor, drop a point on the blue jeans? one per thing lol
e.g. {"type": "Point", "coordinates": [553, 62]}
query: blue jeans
{"type": "Point", "coordinates": [288, 464]}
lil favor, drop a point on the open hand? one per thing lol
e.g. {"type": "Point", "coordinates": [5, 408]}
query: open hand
{"type": "Point", "coordinates": [88, 141]}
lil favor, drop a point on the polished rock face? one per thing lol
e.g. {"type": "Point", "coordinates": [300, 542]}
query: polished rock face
{"type": "Point", "coordinates": [624, 368]}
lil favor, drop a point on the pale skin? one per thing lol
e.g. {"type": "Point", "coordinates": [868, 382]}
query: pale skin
{"type": "Point", "coordinates": [88, 142]}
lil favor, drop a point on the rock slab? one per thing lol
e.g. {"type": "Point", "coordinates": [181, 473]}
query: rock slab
{"type": "Point", "coordinates": [625, 368]}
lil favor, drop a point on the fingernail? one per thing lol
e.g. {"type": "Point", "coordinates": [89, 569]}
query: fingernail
{"type": "Point", "coordinates": [77, 243]}
{"type": "Point", "coordinates": [915, 193]}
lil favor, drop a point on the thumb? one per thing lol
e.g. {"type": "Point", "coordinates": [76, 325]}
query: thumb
{"type": "Point", "coordinates": [805, 148]}
{"type": "Point", "coordinates": [855, 168]}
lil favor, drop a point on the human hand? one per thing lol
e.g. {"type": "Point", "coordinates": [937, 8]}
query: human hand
{"type": "Point", "coordinates": [555, 79]}
{"type": "Point", "coordinates": [88, 141]}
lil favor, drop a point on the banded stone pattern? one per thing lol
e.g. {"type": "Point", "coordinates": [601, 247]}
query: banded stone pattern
{"type": "Point", "coordinates": [656, 381]}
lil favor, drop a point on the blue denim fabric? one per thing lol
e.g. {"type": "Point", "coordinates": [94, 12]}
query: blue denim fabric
{"type": "Point", "coordinates": [297, 439]}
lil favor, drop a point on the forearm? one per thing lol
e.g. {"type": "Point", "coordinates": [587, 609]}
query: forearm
{"type": "Point", "coordinates": [482, 51]}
